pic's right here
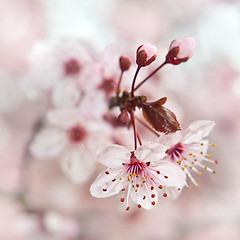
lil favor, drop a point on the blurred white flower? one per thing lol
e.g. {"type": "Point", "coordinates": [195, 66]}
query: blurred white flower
{"type": "Point", "coordinates": [54, 62]}
{"type": "Point", "coordinates": [73, 138]}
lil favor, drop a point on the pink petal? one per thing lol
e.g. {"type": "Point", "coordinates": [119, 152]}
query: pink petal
{"type": "Point", "coordinates": [48, 143]}
{"type": "Point", "coordinates": [76, 165]}
{"type": "Point", "coordinates": [175, 176]}
{"type": "Point", "coordinates": [169, 139]}
{"type": "Point", "coordinates": [146, 54]}
{"type": "Point", "coordinates": [63, 118]}
{"type": "Point", "coordinates": [147, 198]}
{"type": "Point", "coordinates": [107, 184]}
{"type": "Point", "coordinates": [113, 155]}
{"type": "Point", "coordinates": [197, 131]}
{"type": "Point", "coordinates": [186, 47]}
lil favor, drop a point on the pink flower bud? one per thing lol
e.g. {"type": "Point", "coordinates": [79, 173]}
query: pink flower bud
{"type": "Point", "coordinates": [123, 118]}
{"type": "Point", "coordinates": [180, 50]}
{"type": "Point", "coordinates": [124, 63]}
{"type": "Point", "coordinates": [146, 54]}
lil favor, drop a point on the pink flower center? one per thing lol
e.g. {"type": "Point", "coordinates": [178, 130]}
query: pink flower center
{"type": "Point", "coordinates": [175, 152]}
{"type": "Point", "coordinates": [108, 85]}
{"type": "Point", "coordinates": [77, 134]}
{"type": "Point", "coordinates": [135, 166]}
{"type": "Point", "coordinates": [72, 67]}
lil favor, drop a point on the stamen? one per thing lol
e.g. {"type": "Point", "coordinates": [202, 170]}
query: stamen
{"type": "Point", "coordinates": [164, 195]}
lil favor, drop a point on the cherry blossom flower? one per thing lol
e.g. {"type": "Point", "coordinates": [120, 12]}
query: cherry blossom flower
{"type": "Point", "coordinates": [188, 149]}
{"type": "Point", "coordinates": [137, 174]}
{"type": "Point", "coordinates": [58, 63]}
{"type": "Point", "coordinates": [180, 50]}
{"type": "Point", "coordinates": [73, 139]}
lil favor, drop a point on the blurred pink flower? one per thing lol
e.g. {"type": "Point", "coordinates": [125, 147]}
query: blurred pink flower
{"type": "Point", "coordinates": [60, 67]}
{"type": "Point", "coordinates": [73, 138]}
{"type": "Point", "coordinates": [135, 173]}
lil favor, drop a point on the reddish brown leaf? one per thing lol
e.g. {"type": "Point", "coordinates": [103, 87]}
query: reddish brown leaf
{"type": "Point", "coordinates": [160, 118]}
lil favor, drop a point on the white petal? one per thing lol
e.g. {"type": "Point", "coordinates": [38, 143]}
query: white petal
{"type": "Point", "coordinates": [48, 143]}
{"type": "Point", "coordinates": [113, 155]}
{"type": "Point", "coordinates": [151, 151]}
{"type": "Point", "coordinates": [197, 131]}
{"type": "Point", "coordinates": [94, 104]}
{"type": "Point", "coordinates": [63, 118]}
{"type": "Point", "coordinates": [65, 94]}
{"type": "Point", "coordinates": [105, 181]}
{"type": "Point", "coordinates": [144, 196]}
{"type": "Point", "coordinates": [175, 176]}
{"type": "Point", "coordinates": [76, 164]}
{"type": "Point", "coordinates": [172, 192]}
{"type": "Point", "coordinates": [169, 139]}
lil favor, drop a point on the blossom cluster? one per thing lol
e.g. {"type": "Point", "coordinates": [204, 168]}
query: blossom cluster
{"type": "Point", "coordinates": [164, 164]}
{"type": "Point", "coordinates": [91, 111]}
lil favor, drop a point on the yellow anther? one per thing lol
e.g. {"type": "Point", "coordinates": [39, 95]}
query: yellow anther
{"type": "Point", "coordinates": [190, 167]}
{"type": "Point", "coordinates": [209, 156]}
{"type": "Point", "coordinates": [201, 152]}
{"type": "Point", "coordinates": [202, 144]}
{"type": "Point", "coordinates": [194, 155]}
{"type": "Point", "coordinates": [183, 168]}
{"type": "Point", "coordinates": [141, 185]}
{"type": "Point", "coordinates": [146, 176]}
{"type": "Point", "coordinates": [190, 154]}
{"type": "Point", "coordinates": [200, 173]}
{"type": "Point", "coordinates": [136, 190]}
{"type": "Point", "coordinates": [206, 167]}
{"type": "Point", "coordinates": [120, 178]}
{"type": "Point", "coordinates": [199, 185]}
{"type": "Point", "coordinates": [213, 145]}
{"type": "Point", "coordinates": [188, 187]}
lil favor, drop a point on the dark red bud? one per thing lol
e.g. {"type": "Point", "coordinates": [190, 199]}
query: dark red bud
{"type": "Point", "coordinates": [123, 118]}
{"type": "Point", "coordinates": [124, 63]}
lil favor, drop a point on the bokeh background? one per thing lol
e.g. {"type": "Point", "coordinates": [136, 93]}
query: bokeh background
{"type": "Point", "coordinates": [37, 201]}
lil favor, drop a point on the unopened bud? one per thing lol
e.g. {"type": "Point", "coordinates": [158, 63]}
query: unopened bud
{"type": "Point", "coordinates": [124, 63]}
{"type": "Point", "coordinates": [146, 54]}
{"type": "Point", "coordinates": [123, 118]}
{"type": "Point", "coordinates": [180, 50]}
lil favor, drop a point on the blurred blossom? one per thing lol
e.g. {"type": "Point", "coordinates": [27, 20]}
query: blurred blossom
{"type": "Point", "coordinates": [73, 139]}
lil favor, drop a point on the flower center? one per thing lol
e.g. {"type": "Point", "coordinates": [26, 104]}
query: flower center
{"type": "Point", "coordinates": [108, 85]}
{"type": "Point", "coordinates": [72, 67]}
{"type": "Point", "coordinates": [175, 152]}
{"type": "Point", "coordinates": [77, 134]}
{"type": "Point", "coordinates": [135, 166]}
